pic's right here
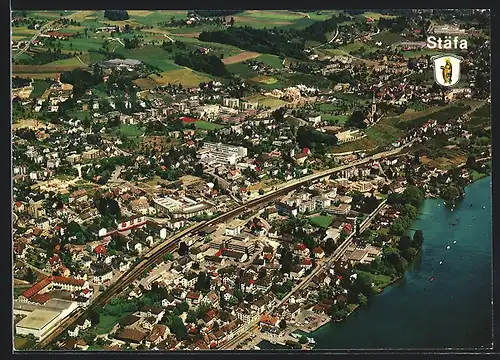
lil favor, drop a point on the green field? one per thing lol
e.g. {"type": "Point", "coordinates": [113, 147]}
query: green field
{"type": "Point", "coordinates": [151, 55]}
{"type": "Point", "coordinates": [205, 125]}
{"type": "Point", "coordinates": [355, 46]}
{"type": "Point", "coordinates": [321, 221]}
{"type": "Point", "coordinates": [381, 280]}
{"type": "Point", "coordinates": [242, 70]}
{"type": "Point", "coordinates": [388, 38]}
{"type": "Point", "coordinates": [420, 53]}
{"type": "Point", "coordinates": [183, 76]}
{"type": "Point", "coordinates": [68, 62]}
{"type": "Point", "coordinates": [130, 130]}
{"type": "Point", "coordinates": [22, 343]}
{"type": "Point", "coordinates": [266, 101]}
{"type": "Point", "coordinates": [39, 87]}
{"type": "Point", "coordinates": [440, 116]}
{"type": "Point", "coordinates": [79, 114]}
{"type": "Point", "coordinates": [271, 60]}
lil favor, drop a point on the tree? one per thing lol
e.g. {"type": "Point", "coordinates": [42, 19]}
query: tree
{"type": "Point", "coordinates": [329, 246]}
{"type": "Point", "coordinates": [362, 299]}
{"type": "Point", "coordinates": [418, 239]}
{"type": "Point", "coordinates": [261, 191]}
{"type": "Point", "coordinates": [363, 283]}
{"type": "Point", "coordinates": [191, 316]}
{"type": "Point", "coordinates": [303, 340]}
{"type": "Point", "coordinates": [282, 324]}
{"type": "Point", "coordinates": [203, 282]}
{"type": "Point", "coordinates": [183, 248]}
{"type": "Point", "coordinates": [404, 243]}
{"type": "Point", "coordinates": [168, 257]}
{"type": "Point", "coordinates": [413, 195]}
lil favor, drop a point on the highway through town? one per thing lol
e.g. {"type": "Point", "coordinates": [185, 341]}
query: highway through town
{"type": "Point", "coordinates": [155, 256]}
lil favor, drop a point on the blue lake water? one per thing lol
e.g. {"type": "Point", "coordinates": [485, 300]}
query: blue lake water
{"type": "Point", "coordinates": [452, 311]}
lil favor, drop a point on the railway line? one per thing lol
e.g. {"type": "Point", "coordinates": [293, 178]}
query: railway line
{"type": "Point", "coordinates": [156, 254]}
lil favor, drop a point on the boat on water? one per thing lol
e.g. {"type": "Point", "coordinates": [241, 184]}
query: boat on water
{"type": "Point", "coordinates": [454, 242]}
{"type": "Point", "coordinates": [311, 340]}
{"type": "Point", "coordinates": [448, 247]}
{"type": "Point", "coordinates": [256, 347]}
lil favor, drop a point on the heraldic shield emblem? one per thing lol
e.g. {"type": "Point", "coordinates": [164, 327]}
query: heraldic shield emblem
{"type": "Point", "coordinates": [447, 69]}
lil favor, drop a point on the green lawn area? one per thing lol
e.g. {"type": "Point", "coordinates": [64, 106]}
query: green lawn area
{"type": "Point", "coordinates": [420, 53]}
{"type": "Point", "coordinates": [321, 221]}
{"type": "Point", "coordinates": [377, 16]}
{"type": "Point", "coordinates": [21, 343]}
{"type": "Point", "coordinates": [266, 101]}
{"type": "Point", "coordinates": [39, 87]}
{"type": "Point", "coordinates": [81, 44]}
{"type": "Point", "coordinates": [381, 280]}
{"type": "Point", "coordinates": [271, 60]}
{"type": "Point", "coordinates": [205, 125]}
{"type": "Point", "coordinates": [325, 14]}
{"type": "Point", "coordinates": [130, 130]}
{"type": "Point", "coordinates": [79, 114]}
{"type": "Point", "coordinates": [356, 45]}
{"type": "Point", "coordinates": [387, 38]}
{"type": "Point", "coordinates": [241, 69]}
{"type": "Point", "coordinates": [106, 323]}
{"type": "Point", "coordinates": [483, 111]}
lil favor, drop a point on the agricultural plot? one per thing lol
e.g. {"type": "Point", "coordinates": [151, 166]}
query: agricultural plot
{"type": "Point", "coordinates": [266, 101]}
{"type": "Point", "coordinates": [151, 55]}
{"type": "Point", "coordinates": [271, 60]}
{"type": "Point", "coordinates": [271, 18]}
{"type": "Point", "coordinates": [242, 70]}
{"type": "Point", "coordinates": [377, 16]}
{"type": "Point", "coordinates": [246, 55]}
{"type": "Point", "coordinates": [39, 71]}
{"type": "Point", "coordinates": [183, 76]}
{"type": "Point", "coordinates": [130, 130]}
{"type": "Point", "coordinates": [324, 14]}
{"type": "Point", "coordinates": [74, 61]}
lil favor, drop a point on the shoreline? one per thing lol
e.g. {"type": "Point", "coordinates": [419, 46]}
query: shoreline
{"type": "Point", "coordinates": [379, 290]}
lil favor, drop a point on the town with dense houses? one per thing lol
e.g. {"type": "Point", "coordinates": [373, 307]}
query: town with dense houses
{"type": "Point", "coordinates": [266, 196]}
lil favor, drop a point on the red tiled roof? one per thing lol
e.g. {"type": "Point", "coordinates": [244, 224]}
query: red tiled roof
{"type": "Point", "coordinates": [100, 249]}
{"type": "Point", "coordinates": [66, 280]}
{"type": "Point", "coordinates": [318, 250]}
{"type": "Point", "coordinates": [188, 119]}
{"type": "Point", "coordinates": [37, 287]}
{"type": "Point", "coordinates": [193, 295]}
{"type": "Point", "coordinates": [54, 259]}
